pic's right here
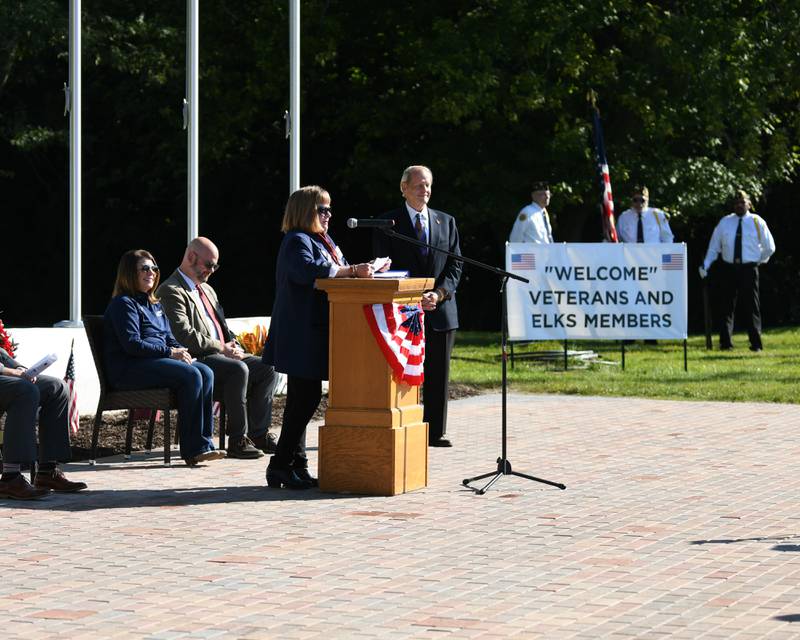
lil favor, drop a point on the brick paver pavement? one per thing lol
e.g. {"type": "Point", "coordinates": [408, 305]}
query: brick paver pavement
{"type": "Point", "coordinates": [679, 521]}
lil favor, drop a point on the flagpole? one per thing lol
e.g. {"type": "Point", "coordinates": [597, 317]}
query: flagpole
{"type": "Point", "coordinates": [72, 106]}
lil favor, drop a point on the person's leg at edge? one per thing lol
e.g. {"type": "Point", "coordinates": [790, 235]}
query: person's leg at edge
{"type": "Point", "coordinates": [752, 309]}
{"type": "Point", "coordinates": [206, 402]}
{"type": "Point", "coordinates": [187, 383]}
{"type": "Point", "coordinates": [438, 348]}
{"type": "Point", "coordinates": [302, 399]}
{"type": "Point", "coordinates": [260, 393]}
{"type": "Point", "coordinates": [728, 288]}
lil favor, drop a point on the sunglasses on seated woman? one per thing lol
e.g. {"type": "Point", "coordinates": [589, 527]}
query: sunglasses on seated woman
{"type": "Point", "coordinates": [149, 267]}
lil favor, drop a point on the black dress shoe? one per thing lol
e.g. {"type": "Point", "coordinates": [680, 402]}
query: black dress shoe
{"type": "Point", "coordinates": [441, 442]}
{"type": "Point", "coordinates": [305, 476]}
{"type": "Point", "coordinates": [754, 348]}
{"type": "Point", "coordinates": [287, 478]}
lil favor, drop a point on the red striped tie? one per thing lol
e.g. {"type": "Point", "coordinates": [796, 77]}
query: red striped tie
{"type": "Point", "coordinates": [211, 312]}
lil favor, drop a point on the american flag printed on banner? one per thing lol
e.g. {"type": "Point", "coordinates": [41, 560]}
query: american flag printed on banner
{"type": "Point", "coordinates": [672, 261]}
{"type": "Point", "coordinates": [607, 203]}
{"type": "Point", "coordinates": [399, 330]}
{"type": "Point", "coordinates": [523, 262]}
{"type": "Point", "coordinates": [69, 378]}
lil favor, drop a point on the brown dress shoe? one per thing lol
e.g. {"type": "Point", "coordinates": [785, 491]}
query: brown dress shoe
{"type": "Point", "coordinates": [268, 443]}
{"type": "Point", "coordinates": [214, 454]}
{"type": "Point", "coordinates": [243, 448]}
{"type": "Point", "coordinates": [19, 488]}
{"type": "Point", "coordinates": [57, 481]}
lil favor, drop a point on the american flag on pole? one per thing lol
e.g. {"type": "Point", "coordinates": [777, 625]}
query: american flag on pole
{"type": "Point", "coordinates": [399, 330]}
{"type": "Point", "coordinates": [607, 205]}
{"type": "Point", "coordinates": [69, 378]}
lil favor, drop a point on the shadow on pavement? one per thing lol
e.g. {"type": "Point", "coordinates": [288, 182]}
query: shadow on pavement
{"type": "Point", "coordinates": [136, 498]}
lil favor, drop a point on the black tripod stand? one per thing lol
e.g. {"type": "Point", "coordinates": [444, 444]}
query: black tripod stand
{"type": "Point", "coordinates": [503, 465]}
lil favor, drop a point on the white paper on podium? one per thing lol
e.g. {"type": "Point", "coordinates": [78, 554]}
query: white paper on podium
{"type": "Point", "coordinates": [380, 263]}
{"type": "Point", "coordinates": [391, 274]}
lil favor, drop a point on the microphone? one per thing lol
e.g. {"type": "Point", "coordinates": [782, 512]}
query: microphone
{"type": "Point", "coordinates": [366, 223]}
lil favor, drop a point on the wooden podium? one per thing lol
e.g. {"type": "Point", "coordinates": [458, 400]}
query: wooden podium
{"type": "Point", "coordinates": [374, 441]}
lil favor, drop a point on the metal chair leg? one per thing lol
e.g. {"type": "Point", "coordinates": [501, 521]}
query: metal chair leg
{"type": "Point", "coordinates": [129, 434]}
{"type": "Point", "coordinates": [98, 418]}
{"type": "Point", "coordinates": [222, 425]}
{"type": "Point", "coordinates": [150, 430]}
{"type": "Point", "coordinates": [167, 440]}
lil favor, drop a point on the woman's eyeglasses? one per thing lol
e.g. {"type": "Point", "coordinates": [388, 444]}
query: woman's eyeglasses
{"type": "Point", "coordinates": [323, 211]}
{"type": "Point", "coordinates": [149, 267]}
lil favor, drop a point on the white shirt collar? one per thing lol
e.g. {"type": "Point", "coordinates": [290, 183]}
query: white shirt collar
{"type": "Point", "coordinates": [412, 212]}
{"type": "Point", "coordinates": [192, 285]}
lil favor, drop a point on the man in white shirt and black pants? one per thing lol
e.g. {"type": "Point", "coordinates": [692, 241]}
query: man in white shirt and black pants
{"type": "Point", "coordinates": [532, 223]}
{"type": "Point", "coordinates": [744, 240]}
{"type": "Point", "coordinates": [642, 223]}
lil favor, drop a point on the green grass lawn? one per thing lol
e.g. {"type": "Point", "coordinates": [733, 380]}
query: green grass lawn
{"type": "Point", "coordinates": [650, 371]}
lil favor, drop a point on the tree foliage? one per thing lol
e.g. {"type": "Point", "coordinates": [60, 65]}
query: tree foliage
{"type": "Point", "coordinates": [697, 97]}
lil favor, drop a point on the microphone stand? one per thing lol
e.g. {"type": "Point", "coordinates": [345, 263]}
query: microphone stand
{"type": "Point", "coordinates": [503, 464]}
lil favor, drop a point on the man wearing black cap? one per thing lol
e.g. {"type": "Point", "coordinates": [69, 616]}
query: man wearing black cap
{"type": "Point", "coordinates": [744, 241]}
{"type": "Point", "coordinates": [533, 223]}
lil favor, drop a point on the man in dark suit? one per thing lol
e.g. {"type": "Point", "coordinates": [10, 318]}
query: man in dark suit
{"type": "Point", "coordinates": [21, 398]}
{"type": "Point", "coordinates": [436, 229]}
{"type": "Point", "coordinates": [198, 322]}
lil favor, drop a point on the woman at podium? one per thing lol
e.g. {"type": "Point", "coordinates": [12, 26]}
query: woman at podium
{"type": "Point", "coordinates": [298, 335]}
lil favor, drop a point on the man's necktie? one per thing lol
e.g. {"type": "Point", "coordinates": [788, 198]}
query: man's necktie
{"type": "Point", "coordinates": [737, 244]}
{"type": "Point", "coordinates": [547, 226]}
{"type": "Point", "coordinates": [422, 234]}
{"type": "Point", "coordinates": [639, 229]}
{"type": "Point", "coordinates": [211, 312]}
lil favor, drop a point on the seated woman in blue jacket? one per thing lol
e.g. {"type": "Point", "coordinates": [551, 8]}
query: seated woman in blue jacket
{"type": "Point", "coordinates": [298, 333]}
{"type": "Point", "coordinates": [141, 353]}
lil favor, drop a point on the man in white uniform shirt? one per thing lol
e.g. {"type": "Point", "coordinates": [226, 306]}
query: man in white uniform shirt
{"type": "Point", "coordinates": [533, 222]}
{"type": "Point", "coordinates": [744, 241]}
{"type": "Point", "coordinates": [641, 223]}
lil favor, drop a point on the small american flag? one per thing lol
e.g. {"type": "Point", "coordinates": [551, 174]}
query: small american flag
{"type": "Point", "coordinates": [672, 261]}
{"type": "Point", "coordinates": [523, 261]}
{"type": "Point", "coordinates": [69, 378]}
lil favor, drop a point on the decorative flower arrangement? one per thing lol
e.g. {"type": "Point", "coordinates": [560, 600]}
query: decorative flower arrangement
{"type": "Point", "coordinates": [253, 341]}
{"type": "Point", "coordinates": [6, 341]}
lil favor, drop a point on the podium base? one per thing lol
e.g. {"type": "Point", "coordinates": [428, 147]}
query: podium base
{"type": "Point", "coordinates": [373, 461]}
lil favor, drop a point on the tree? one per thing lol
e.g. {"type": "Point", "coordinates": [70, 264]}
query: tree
{"type": "Point", "coordinates": [697, 98]}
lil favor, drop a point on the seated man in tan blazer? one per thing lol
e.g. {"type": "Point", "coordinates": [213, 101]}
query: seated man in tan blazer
{"type": "Point", "coordinates": [198, 322]}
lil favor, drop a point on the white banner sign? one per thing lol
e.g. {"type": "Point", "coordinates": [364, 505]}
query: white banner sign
{"type": "Point", "coordinates": [597, 291]}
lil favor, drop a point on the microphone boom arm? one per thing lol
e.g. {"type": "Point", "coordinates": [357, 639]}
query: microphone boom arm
{"type": "Point", "coordinates": [487, 267]}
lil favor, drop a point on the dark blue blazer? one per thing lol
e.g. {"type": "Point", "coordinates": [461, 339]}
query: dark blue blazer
{"type": "Point", "coordinates": [134, 328]}
{"type": "Point", "coordinates": [444, 269]}
{"type": "Point", "coordinates": [298, 332]}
